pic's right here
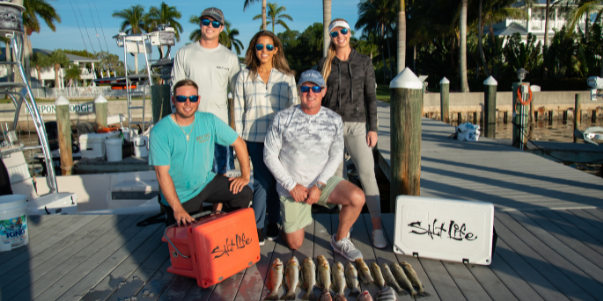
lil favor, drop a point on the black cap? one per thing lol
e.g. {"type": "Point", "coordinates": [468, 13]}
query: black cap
{"type": "Point", "coordinates": [215, 13]}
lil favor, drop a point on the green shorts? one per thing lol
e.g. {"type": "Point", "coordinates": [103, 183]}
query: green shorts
{"type": "Point", "coordinates": [298, 215]}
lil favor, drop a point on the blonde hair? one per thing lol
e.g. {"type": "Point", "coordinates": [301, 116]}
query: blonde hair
{"type": "Point", "coordinates": [326, 67]}
{"type": "Point", "coordinates": [279, 61]}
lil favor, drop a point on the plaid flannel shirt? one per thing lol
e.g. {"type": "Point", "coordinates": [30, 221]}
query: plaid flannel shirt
{"type": "Point", "coordinates": [256, 103]}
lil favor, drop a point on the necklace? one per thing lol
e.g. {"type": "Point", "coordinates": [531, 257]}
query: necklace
{"type": "Point", "coordinates": [189, 132]}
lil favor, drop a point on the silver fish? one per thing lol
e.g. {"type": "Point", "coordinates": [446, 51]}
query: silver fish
{"type": "Point", "coordinates": [351, 278]}
{"type": "Point", "coordinates": [309, 278]}
{"type": "Point", "coordinates": [378, 275]}
{"type": "Point", "coordinates": [365, 296]}
{"type": "Point", "coordinates": [363, 270]}
{"type": "Point", "coordinates": [339, 278]}
{"type": "Point", "coordinates": [402, 279]}
{"type": "Point", "coordinates": [275, 279]}
{"type": "Point", "coordinates": [324, 274]}
{"type": "Point", "coordinates": [291, 278]}
{"type": "Point", "coordinates": [414, 279]}
{"type": "Point", "coordinates": [325, 296]}
{"type": "Point", "coordinates": [387, 294]}
{"type": "Point", "coordinates": [390, 280]}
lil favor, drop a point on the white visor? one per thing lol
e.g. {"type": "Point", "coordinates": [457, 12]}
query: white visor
{"type": "Point", "coordinates": [339, 24]}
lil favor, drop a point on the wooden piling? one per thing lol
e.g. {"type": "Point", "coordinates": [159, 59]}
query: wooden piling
{"type": "Point", "coordinates": [405, 123]}
{"type": "Point", "coordinates": [577, 114]}
{"type": "Point", "coordinates": [160, 102]}
{"type": "Point", "coordinates": [517, 110]}
{"type": "Point", "coordinates": [564, 116]}
{"type": "Point", "coordinates": [490, 87]}
{"type": "Point", "coordinates": [459, 117]}
{"type": "Point", "coordinates": [64, 131]}
{"type": "Point", "coordinates": [445, 100]}
{"type": "Point", "coordinates": [550, 116]}
{"type": "Point", "coordinates": [593, 118]}
{"type": "Point", "coordinates": [100, 108]}
{"type": "Point", "coordinates": [506, 117]}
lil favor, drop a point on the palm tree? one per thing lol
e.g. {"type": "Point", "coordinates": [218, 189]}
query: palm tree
{"type": "Point", "coordinates": [73, 73]}
{"type": "Point", "coordinates": [40, 60]}
{"type": "Point", "coordinates": [33, 10]}
{"type": "Point", "coordinates": [228, 38]}
{"type": "Point", "coordinates": [275, 13]}
{"type": "Point", "coordinates": [368, 44]}
{"type": "Point", "coordinates": [326, 20]}
{"type": "Point", "coordinates": [585, 7]}
{"type": "Point", "coordinates": [546, 34]}
{"type": "Point", "coordinates": [248, 2]}
{"type": "Point", "coordinates": [133, 23]}
{"type": "Point", "coordinates": [377, 16]}
{"type": "Point", "coordinates": [463, 43]}
{"type": "Point", "coordinates": [58, 59]}
{"type": "Point", "coordinates": [167, 15]}
{"type": "Point", "coordinates": [402, 36]}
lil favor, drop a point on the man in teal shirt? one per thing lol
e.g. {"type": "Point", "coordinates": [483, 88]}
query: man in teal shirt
{"type": "Point", "coordinates": [182, 151]}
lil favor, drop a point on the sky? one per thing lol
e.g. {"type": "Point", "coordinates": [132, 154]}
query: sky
{"type": "Point", "coordinates": [68, 34]}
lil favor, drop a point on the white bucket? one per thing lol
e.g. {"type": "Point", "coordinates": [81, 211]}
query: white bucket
{"type": "Point", "coordinates": [141, 146]}
{"type": "Point", "coordinates": [114, 149]}
{"type": "Point", "coordinates": [13, 222]}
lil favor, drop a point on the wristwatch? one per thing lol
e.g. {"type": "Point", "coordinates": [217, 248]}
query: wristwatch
{"type": "Point", "coordinates": [321, 186]}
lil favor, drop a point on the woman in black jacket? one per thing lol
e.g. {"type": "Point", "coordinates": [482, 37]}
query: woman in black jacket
{"type": "Point", "coordinates": [350, 79]}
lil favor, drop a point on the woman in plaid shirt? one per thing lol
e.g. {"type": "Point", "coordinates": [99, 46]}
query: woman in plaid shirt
{"type": "Point", "coordinates": [264, 87]}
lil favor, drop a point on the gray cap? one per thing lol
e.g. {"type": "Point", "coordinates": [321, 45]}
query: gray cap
{"type": "Point", "coordinates": [215, 13]}
{"type": "Point", "coordinates": [312, 76]}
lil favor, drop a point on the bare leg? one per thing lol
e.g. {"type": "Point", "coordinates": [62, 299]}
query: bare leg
{"type": "Point", "coordinates": [295, 239]}
{"type": "Point", "coordinates": [352, 199]}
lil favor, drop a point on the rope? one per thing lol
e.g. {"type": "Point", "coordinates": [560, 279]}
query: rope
{"type": "Point", "coordinates": [96, 30]}
{"type": "Point", "coordinates": [85, 28]}
{"type": "Point", "coordinates": [78, 25]}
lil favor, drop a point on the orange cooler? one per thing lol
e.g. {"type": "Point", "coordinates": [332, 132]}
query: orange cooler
{"type": "Point", "coordinates": [217, 247]}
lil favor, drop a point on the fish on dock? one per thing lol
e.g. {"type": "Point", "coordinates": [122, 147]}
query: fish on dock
{"type": "Point", "coordinates": [309, 278]}
{"type": "Point", "coordinates": [386, 294]}
{"type": "Point", "coordinates": [291, 278]}
{"type": "Point", "coordinates": [275, 279]}
{"type": "Point", "coordinates": [365, 296]}
{"type": "Point", "coordinates": [363, 270]}
{"type": "Point", "coordinates": [378, 275]}
{"type": "Point", "coordinates": [339, 280]}
{"type": "Point", "coordinates": [402, 279]}
{"type": "Point", "coordinates": [324, 274]}
{"type": "Point", "coordinates": [391, 280]}
{"type": "Point", "coordinates": [351, 278]}
{"type": "Point", "coordinates": [414, 279]}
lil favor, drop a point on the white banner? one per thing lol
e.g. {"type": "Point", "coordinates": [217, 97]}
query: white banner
{"type": "Point", "coordinates": [84, 108]}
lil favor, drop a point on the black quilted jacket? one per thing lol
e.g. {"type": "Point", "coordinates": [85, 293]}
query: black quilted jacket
{"type": "Point", "coordinates": [351, 89]}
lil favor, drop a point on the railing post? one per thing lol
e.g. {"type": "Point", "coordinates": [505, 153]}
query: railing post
{"type": "Point", "coordinates": [100, 109]}
{"type": "Point", "coordinates": [490, 87]}
{"type": "Point", "coordinates": [64, 131]}
{"type": "Point", "coordinates": [577, 114]}
{"type": "Point", "coordinates": [445, 100]}
{"type": "Point", "coordinates": [406, 92]}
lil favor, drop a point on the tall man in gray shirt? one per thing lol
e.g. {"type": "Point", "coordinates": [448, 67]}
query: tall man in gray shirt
{"type": "Point", "coordinates": [303, 149]}
{"type": "Point", "coordinates": [212, 67]}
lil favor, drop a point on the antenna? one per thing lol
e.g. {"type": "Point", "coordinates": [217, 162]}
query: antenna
{"type": "Point", "coordinates": [78, 25]}
{"type": "Point", "coordinates": [85, 28]}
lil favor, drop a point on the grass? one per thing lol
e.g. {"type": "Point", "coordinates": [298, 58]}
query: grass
{"type": "Point", "coordinates": [383, 93]}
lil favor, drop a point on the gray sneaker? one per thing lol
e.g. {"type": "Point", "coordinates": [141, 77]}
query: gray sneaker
{"type": "Point", "coordinates": [346, 248]}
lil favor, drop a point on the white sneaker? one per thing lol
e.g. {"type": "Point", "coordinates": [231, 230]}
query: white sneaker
{"type": "Point", "coordinates": [379, 240]}
{"type": "Point", "coordinates": [346, 248]}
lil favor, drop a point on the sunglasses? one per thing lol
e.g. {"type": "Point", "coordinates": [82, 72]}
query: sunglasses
{"type": "Point", "coordinates": [182, 98]}
{"type": "Point", "coordinates": [306, 89]}
{"type": "Point", "coordinates": [343, 31]}
{"type": "Point", "coordinates": [259, 47]}
{"type": "Point", "coordinates": [214, 24]}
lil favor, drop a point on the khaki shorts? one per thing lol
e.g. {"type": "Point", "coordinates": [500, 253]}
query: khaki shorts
{"type": "Point", "coordinates": [297, 216]}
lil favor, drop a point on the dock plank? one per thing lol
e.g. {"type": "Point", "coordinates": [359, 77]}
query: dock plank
{"type": "Point", "coordinates": [466, 282]}
{"type": "Point", "coordinates": [38, 223]}
{"type": "Point", "coordinates": [252, 284]}
{"type": "Point", "coordinates": [179, 288]}
{"type": "Point", "coordinates": [593, 222]}
{"type": "Point", "coordinates": [581, 224]}
{"type": "Point", "coordinates": [158, 283]}
{"type": "Point", "coordinates": [281, 251]}
{"type": "Point", "coordinates": [306, 251]}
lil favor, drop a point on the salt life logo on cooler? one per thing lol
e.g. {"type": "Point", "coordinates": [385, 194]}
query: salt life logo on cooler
{"type": "Point", "coordinates": [231, 245]}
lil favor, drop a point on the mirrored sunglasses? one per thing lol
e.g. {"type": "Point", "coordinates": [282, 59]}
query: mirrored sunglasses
{"type": "Point", "coordinates": [306, 89]}
{"type": "Point", "coordinates": [343, 31]}
{"type": "Point", "coordinates": [182, 98]}
{"type": "Point", "coordinates": [259, 47]}
{"type": "Point", "coordinates": [214, 24]}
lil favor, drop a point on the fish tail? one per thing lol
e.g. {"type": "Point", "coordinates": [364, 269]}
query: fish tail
{"type": "Point", "coordinates": [309, 296]}
{"type": "Point", "coordinates": [354, 293]}
{"type": "Point", "coordinates": [368, 281]}
{"type": "Point", "coordinates": [272, 296]}
{"type": "Point", "coordinates": [423, 294]}
{"type": "Point", "coordinates": [289, 296]}
{"type": "Point", "coordinates": [401, 291]}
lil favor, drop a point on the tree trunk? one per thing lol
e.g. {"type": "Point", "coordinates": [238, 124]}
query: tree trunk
{"type": "Point", "coordinates": [546, 36]}
{"type": "Point", "coordinates": [264, 14]}
{"type": "Point", "coordinates": [391, 65]}
{"type": "Point", "coordinates": [56, 76]}
{"type": "Point", "coordinates": [326, 19]}
{"type": "Point", "coordinates": [27, 54]}
{"type": "Point", "coordinates": [463, 48]}
{"type": "Point", "coordinates": [402, 37]}
{"type": "Point", "coordinates": [491, 32]}
{"type": "Point", "coordinates": [384, 65]}
{"type": "Point", "coordinates": [480, 33]}
{"type": "Point", "coordinates": [39, 74]}
{"type": "Point", "coordinates": [414, 58]}
{"type": "Point", "coordinates": [586, 33]}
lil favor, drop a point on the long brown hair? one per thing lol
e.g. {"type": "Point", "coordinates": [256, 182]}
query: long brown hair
{"type": "Point", "coordinates": [326, 67]}
{"type": "Point", "coordinates": [278, 60]}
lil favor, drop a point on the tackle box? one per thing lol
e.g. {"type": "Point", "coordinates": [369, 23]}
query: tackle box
{"type": "Point", "coordinates": [214, 247]}
{"type": "Point", "coordinates": [452, 230]}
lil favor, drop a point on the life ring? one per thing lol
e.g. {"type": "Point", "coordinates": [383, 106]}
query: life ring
{"type": "Point", "coordinates": [529, 100]}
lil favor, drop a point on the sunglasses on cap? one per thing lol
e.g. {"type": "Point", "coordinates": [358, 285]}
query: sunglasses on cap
{"type": "Point", "coordinates": [343, 31]}
{"type": "Point", "coordinates": [306, 89]}
{"type": "Point", "coordinates": [259, 47]}
{"type": "Point", "coordinates": [182, 98]}
{"type": "Point", "coordinates": [214, 24]}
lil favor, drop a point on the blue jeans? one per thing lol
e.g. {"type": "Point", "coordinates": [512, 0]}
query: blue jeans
{"type": "Point", "coordinates": [265, 197]}
{"type": "Point", "coordinates": [223, 159]}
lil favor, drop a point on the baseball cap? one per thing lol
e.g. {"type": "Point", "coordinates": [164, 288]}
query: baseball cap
{"type": "Point", "coordinates": [312, 76]}
{"type": "Point", "coordinates": [215, 13]}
